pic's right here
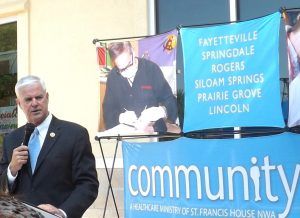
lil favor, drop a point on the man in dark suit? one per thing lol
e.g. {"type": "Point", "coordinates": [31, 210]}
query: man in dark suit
{"type": "Point", "coordinates": [63, 180]}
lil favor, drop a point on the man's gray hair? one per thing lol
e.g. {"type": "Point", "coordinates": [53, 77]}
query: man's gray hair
{"type": "Point", "coordinates": [28, 80]}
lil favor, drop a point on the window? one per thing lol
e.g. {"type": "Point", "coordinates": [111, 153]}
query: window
{"type": "Point", "coordinates": [8, 78]}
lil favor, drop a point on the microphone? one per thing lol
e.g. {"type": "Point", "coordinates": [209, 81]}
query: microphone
{"type": "Point", "coordinates": [29, 128]}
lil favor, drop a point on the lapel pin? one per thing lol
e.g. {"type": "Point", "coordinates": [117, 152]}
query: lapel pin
{"type": "Point", "coordinates": [52, 134]}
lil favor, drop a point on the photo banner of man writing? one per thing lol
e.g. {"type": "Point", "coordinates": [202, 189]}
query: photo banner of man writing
{"type": "Point", "coordinates": [138, 88]}
{"type": "Point", "coordinates": [248, 177]}
{"type": "Point", "coordinates": [231, 75]}
{"type": "Point", "coordinates": [292, 24]}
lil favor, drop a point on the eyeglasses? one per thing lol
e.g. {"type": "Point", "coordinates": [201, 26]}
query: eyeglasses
{"type": "Point", "coordinates": [128, 65]}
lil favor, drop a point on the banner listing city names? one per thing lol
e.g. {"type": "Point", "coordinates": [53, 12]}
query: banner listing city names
{"type": "Point", "coordinates": [231, 75]}
{"type": "Point", "coordinates": [250, 177]}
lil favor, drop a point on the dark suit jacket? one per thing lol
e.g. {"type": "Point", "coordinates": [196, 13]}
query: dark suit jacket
{"type": "Point", "coordinates": [65, 174]}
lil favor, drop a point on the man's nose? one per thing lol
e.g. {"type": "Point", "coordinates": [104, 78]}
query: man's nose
{"type": "Point", "coordinates": [34, 102]}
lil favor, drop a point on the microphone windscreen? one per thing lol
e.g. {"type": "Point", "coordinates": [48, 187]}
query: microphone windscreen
{"type": "Point", "coordinates": [29, 128]}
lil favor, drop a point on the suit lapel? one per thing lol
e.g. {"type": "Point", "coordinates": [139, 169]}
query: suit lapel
{"type": "Point", "coordinates": [51, 137]}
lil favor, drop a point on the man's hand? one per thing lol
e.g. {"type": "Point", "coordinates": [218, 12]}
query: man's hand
{"type": "Point", "coordinates": [146, 127]}
{"type": "Point", "coordinates": [19, 158]}
{"type": "Point", "coordinates": [128, 117]}
{"type": "Point", "coordinates": [51, 209]}
{"type": "Point", "coordinates": [153, 114]}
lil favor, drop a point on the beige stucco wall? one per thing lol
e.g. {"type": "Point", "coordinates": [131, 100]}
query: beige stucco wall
{"type": "Point", "coordinates": [55, 43]}
{"type": "Point", "coordinates": [61, 49]}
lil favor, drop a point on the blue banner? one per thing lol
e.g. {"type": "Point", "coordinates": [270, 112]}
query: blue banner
{"type": "Point", "coordinates": [231, 75]}
{"type": "Point", "coordinates": [249, 177]}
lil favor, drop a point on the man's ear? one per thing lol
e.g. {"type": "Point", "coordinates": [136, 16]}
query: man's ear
{"type": "Point", "coordinates": [18, 102]}
{"type": "Point", "coordinates": [47, 96]}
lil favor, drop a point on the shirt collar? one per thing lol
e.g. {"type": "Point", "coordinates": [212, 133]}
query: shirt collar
{"type": "Point", "coordinates": [44, 126]}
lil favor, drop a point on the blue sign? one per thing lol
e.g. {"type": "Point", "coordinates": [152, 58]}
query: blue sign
{"type": "Point", "coordinates": [249, 177]}
{"type": "Point", "coordinates": [231, 75]}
